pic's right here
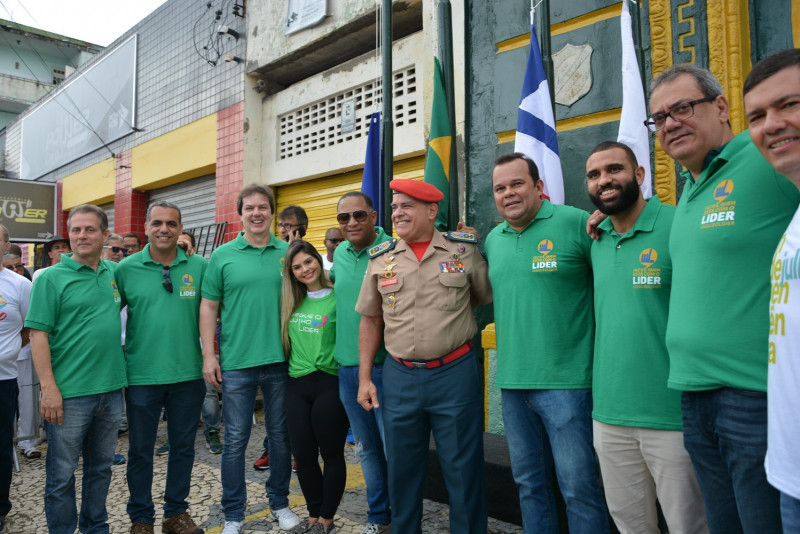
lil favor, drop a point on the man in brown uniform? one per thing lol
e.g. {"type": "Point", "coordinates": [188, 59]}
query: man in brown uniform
{"type": "Point", "coordinates": [422, 288]}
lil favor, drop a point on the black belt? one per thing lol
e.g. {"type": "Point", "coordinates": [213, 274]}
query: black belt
{"type": "Point", "coordinates": [438, 362]}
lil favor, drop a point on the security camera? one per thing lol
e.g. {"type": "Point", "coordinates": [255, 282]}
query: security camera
{"type": "Point", "coordinates": [261, 84]}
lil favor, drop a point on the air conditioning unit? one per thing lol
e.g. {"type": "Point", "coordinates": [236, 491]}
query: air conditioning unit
{"type": "Point", "coordinates": [59, 75]}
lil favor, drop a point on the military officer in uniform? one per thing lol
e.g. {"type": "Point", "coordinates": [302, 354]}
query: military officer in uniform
{"type": "Point", "coordinates": [419, 292]}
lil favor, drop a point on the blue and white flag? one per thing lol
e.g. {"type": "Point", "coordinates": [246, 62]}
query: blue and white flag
{"type": "Point", "coordinates": [372, 182]}
{"type": "Point", "coordinates": [632, 130]}
{"type": "Point", "coordinates": [536, 127]}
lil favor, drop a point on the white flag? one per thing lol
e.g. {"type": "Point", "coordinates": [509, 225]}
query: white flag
{"type": "Point", "coordinates": [632, 130]}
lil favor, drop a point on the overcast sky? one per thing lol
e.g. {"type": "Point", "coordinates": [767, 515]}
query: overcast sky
{"type": "Point", "coordinates": [96, 21]}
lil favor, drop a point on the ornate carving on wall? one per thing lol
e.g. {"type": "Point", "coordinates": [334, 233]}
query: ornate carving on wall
{"type": "Point", "coordinates": [661, 55]}
{"type": "Point", "coordinates": [729, 52]}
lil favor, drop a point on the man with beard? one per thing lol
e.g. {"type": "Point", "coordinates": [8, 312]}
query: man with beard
{"type": "Point", "coordinates": [540, 270]}
{"type": "Point", "coordinates": [637, 420]}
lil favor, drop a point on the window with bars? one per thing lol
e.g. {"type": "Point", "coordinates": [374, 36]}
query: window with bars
{"type": "Point", "coordinates": [318, 125]}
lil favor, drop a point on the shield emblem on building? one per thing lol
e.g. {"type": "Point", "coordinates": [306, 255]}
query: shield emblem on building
{"type": "Point", "coordinates": [573, 72]}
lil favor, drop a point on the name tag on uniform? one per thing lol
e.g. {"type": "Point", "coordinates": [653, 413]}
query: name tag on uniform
{"type": "Point", "coordinates": [452, 267]}
{"type": "Point", "coordinates": [389, 282]}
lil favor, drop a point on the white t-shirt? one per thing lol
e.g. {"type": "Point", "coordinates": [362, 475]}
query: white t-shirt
{"type": "Point", "coordinates": [326, 264]}
{"type": "Point", "coordinates": [783, 394]}
{"type": "Point", "coordinates": [15, 295]}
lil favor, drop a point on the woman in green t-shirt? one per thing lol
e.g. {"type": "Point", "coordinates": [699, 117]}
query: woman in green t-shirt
{"type": "Point", "coordinates": [315, 415]}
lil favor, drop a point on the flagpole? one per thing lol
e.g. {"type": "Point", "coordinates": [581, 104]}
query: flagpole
{"type": "Point", "coordinates": [543, 14]}
{"type": "Point", "coordinates": [387, 121]}
{"type": "Point", "coordinates": [446, 56]}
{"type": "Point", "coordinates": [637, 40]}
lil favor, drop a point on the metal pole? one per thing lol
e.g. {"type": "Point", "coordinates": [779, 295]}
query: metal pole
{"type": "Point", "coordinates": [446, 56]}
{"type": "Point", "coordinates": [543, 27]}
{"type": "Point", "coordinates": [387, 120]}
{"type": "Point", "coordinates": [637, 40]}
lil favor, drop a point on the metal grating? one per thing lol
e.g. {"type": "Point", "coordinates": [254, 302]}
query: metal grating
{"type": "Point", "coordinates": [318, 125]}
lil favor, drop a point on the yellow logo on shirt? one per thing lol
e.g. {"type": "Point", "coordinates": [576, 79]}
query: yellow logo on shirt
{"type": "Point", "coordinates": [544, 261]}
{"type": "Point", "coordinates": [117, 297]}
{"type": "Point", "coordinates": [722, 211]}
{"type": "Point", "coordinates": [187, 290]}
{"type": "Point", "coordinates": [647, 277]}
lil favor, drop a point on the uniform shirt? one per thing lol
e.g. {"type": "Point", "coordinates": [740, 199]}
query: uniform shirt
{"type": "Point", "coordinates": [247, 280]}
{"type": "Point", "coordinates": [15, 293]}
{"type": "Point", "coordinates": [543, 300]}
{"type": "Point", "coordinates": [347, 276]}
{"type": "Point", "coordinates": [632, 282]}
{"type": "Point", "coordinates": [727, 225]}
{"type": "Point", "coordinates": [783, 430]}
{"type": "Point", "coordinates": [426, 304]}
{"type": "Point", "coordinates": [312, 332]}
{"type": "Point", "coordinates": [79, 307]}
{"type": "Point", "coordinates": [163, 339]}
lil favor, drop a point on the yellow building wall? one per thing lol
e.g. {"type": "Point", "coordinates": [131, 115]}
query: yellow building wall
{"type": "Point", "coordinates": [92, 185]}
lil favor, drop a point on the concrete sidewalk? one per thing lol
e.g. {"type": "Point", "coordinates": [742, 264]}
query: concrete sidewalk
{"type": "Point", "coordinates": [27, 494]}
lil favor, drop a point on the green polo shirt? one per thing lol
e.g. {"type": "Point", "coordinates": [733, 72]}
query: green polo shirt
{"type": "Point", "coordinates": [632, 282]}
{"type": "Point", "coordinates": [727, 225]}
{"type": "Point", "coordinates": [247, 281]}
{"type": "Point", "coordinates": [162, 338]}
{"type": "Point", "coordinates": [347, 275]}
{"type": "Point", "coordinates": [79, 307]}
{"type": "Point", "coordinates": [312, 332]}
{"type": "Point", "coordinates": [542, 283]}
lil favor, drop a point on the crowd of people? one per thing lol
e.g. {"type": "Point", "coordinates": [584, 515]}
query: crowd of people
{"type": "Point", "coordinates": [647, 355]}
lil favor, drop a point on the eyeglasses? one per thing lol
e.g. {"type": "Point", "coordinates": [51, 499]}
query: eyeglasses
{"type": "Point", "coordinates": [287, 226]}
{"type": "Point", "coordinates": [358, 215]}
{"type": "Point", "coordinates": [679, 113]}
{"type": "Point", "coordinates": [117, 250]}
{"type": "Point", "coordinates": [18, 267]}
{"type": "Point", "coordinates": [166, 282]}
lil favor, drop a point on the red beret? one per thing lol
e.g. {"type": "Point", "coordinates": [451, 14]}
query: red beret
{"type": "Point", "coordinates": [417, 189]}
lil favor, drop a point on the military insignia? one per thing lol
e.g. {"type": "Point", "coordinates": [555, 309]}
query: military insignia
{"type": "Point", "coordinates": [452, 267]}
{"type": "Point", "coordinates": [454, 256]}
{"type": "Point", "coordinates": [461, 248]}
{"type": "Point", "coordinates": [389, 282]}
{"type": "Point", "coordinates": [390, 266]}
{"type": "Point", "coordinates": [388, 274]}
{"type": "Point", "coordinates": [461, 236]}
{"type": "Point", "coordinates": [391, 300]}
{"type": "Point", "coordinates": [380, 248]}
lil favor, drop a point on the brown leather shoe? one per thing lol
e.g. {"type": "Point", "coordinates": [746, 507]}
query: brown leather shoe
{"type": "Point", "coordinates": [180, 524]}
{"type": "Point", "coordinates": [141, 528]}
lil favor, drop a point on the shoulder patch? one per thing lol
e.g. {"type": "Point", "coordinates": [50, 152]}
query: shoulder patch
{"type": "Point", "coordinates": [461, 236]}
{"type": "Point", "coordinates": [380, 248]}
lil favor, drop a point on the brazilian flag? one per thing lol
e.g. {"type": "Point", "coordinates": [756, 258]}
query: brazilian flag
{"type": "Point", "coordinates": [437, 160]}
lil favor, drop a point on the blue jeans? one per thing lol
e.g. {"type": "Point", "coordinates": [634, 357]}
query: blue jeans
{"type": "Point", "coordinates": [790, 513]}
{"type": "Point", "coordinates": [447, 401]}
{"type": "Point", "coordinates": [182, 402]}
{"type": "Point", "coordinates": [368, 432]}
{"type": "Point", "coordinates": [90, 429]}
{"type": "Point", "coordinates": [210, 413]}
{"type": "Point", "coordinates": [8, 409]}
{"type": "Point", "coordinates": [548, 428]}
{"type": "Point", "coordinates": [239, 395]}
{"type": "Point", "coordinates": [725, 433]}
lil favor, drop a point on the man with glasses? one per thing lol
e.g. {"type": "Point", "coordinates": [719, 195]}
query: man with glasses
{"type": "Point", "coordinates": [333, 237]}
{"type": "Point", "coordinates": [75, 334]}
{"type": "Point", "coordinates": [357, 224]}
{"type": "Point", "coordinates": [243, 282]}
{"type": "Point", "coordinates": [727, 224]}
{"type": "Point", "coordinates": [14, 263]}
{"type": "Point", "coordinates": [114, 249]}
{"type": "Point", "coordinates": [161, 287]}
{"type": "Point", "coordinates": [15, 293]}
{"type": "Point", "coordinates": [292, 223]}
{"type": "Point", "coordinates": [132, 243]}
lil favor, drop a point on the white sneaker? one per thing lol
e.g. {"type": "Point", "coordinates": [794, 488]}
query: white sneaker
{"type": "Point", "coordinates": [233, 527]}
{"type": "Point", "coordinates": [286, 518]}
{"type": "Point", "coordinates": [374, 528]}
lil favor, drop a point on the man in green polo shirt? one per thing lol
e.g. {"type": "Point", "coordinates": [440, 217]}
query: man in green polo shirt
{"type": "Point", "coordinates": [730, 217]}
{"type": "Point", "coordinates": [75, 333]}
{"type": "Point", "coordinates": [243, 285]}
{"type": "Point", "coordinates": [357, 218]}
{"type": "Point", "coordinates": [161, 287]}
{"type": "Point", "coordinates": [637, 419]}
{"type": "Point", "coordinates": [539, 267]}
